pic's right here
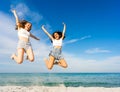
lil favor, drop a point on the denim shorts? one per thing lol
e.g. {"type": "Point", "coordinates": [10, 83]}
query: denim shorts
{"type": "Point", "coordinates": [56, 53]}
{"type": "Point", "coordinates": [24, 45]}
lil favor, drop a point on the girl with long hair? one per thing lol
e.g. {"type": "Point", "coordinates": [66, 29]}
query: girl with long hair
{"type": "Point", "coordinates": [24, 46]}
{"type": "Point", "coordinates": [56, 53]}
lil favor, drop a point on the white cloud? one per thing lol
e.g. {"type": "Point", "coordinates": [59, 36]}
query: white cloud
{"type": "Point", "coordinates": [85, 37]}
{"type": "Point", "coordinates": [24, 12]}
{"type": "Point", "coordinates": [8, 35]}
{"type": "Point", "coordinates": [72, 41]}
{"type": "Point", "coordinates": [115, 60]}
{"type": "Point", "coordinates": [96, 50]}
{"type": "Point", "coordinates": [79, 64]}
{"type": "Point", "coordinates": [21, 9]}
{"type": "Point", "coordinates": [76, 40]}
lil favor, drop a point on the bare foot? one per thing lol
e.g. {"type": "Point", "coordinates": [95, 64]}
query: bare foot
{"type": "Point", "coordinates": [12, 57]}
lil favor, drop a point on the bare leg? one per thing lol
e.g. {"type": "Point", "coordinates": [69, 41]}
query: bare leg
{"type": "Point", "coordinates": [62, 63]}
{"type": "Point", "coordinates": [19, 57]}
{"type": "Point", "coordinates": [50, 62]}
{"type": "Point", "coordinates": [30, 54]}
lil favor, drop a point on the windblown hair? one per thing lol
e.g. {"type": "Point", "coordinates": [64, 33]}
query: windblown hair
{"type": "Point", "coordinates": [21, 24]}
{"type": "Point", "coordinates": [59, 33]}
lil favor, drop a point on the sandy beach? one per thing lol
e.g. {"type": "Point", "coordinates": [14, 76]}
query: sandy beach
{"type": "Point", "coordinates": [56, 89]}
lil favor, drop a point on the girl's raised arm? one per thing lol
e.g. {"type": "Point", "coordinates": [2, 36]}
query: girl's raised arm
{"type": "Point", "coordinates": [50, 36]}
{"type": "Point", "coordinates": [16, 17]}
{"type": "Point", "coordinates": [64, 29]}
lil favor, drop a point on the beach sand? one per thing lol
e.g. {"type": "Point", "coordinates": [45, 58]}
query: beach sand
{"type": "Point", "coordinates": [56, 89]}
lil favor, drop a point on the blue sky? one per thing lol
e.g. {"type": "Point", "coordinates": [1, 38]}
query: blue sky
{"type": "Point", "coordinates": [92, 42]}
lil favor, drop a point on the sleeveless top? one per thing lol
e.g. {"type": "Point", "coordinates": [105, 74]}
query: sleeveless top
{"type": "Point", "coordinates": [24, 33]}
{"type": "Point", "coordinates": [57, 42]}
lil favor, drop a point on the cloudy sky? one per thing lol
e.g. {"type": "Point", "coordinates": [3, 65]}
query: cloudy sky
{"type": "Point", "coordinates": [92, 42]}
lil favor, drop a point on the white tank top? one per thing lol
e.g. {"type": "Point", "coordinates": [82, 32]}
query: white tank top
{"type": "Point", "coordinates": [24, 33]}
{"type": "Point", "coordinates": [57, 42]}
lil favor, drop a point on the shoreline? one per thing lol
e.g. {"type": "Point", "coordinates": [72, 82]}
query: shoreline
{"type": "Point", "coordinates": [57, 89]}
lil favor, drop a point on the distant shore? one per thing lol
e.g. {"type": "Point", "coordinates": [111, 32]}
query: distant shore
{"type": "Point", "coordinates": [56, 89]}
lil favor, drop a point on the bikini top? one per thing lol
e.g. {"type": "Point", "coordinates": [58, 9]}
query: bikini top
{"type": "Point", "coordinates": [24, 33]}
{"type": "Point", "coordinates": [57, 42]}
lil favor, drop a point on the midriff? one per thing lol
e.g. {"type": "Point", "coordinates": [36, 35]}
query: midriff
{"type": "Point", "coordinates": [24, 39]}
{"type": "Point", "coordinates": [57, 46]}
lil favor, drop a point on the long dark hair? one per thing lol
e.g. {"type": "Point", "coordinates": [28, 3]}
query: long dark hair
{"type": "Point", "coordinates": [21, 24]}
{"type": "Point", "coordinates": [59, 33]}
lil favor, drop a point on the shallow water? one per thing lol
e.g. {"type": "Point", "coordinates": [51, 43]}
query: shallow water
{"type": "Point", "coordinates": [61, 79]}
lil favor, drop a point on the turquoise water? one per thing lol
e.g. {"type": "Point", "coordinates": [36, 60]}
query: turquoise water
{"type": "Point", "coordinates": [58, 79]}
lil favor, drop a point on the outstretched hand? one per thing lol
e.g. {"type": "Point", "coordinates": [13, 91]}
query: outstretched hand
{"type": "Point", "coordinates": [63, 23]}
{"type": "Point", "coordinates": [13, 11]}
{"type": "Point", "coordinates": [43, 26]}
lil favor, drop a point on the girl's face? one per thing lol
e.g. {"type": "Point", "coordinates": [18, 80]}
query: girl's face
{"type": "Point", "coordinates": [56, 35]}
{"type": "Point", "coordinates": [28, 26]}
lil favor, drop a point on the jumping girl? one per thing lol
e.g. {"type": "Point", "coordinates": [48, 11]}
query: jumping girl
{"type": "Point", "coordinates": [56, 53]}
{"type": "Point", "coordinates": [24, 45]}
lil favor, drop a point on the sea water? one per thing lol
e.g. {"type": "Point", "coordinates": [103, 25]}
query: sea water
{"type": "Point", "coordinates": [61, 79]}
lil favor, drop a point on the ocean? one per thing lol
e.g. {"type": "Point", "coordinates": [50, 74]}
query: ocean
{"type": "Point", "coordinates": [61, 79]}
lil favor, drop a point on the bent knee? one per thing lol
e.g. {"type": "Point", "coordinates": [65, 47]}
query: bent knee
{"type": "Point", "coordinates": [49, 67]}
{"type": "Point", "coordinates": [65, 66]}
{"type": "Point", "coordinates": [31, 60]}
{"type": "Point", "coordinates": [19, 61]}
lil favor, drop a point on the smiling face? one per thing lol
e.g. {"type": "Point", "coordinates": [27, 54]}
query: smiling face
{"type": "Point", "coordinates": [56, 36]}
{"type": "Point", "coordinates": [28, 26]}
